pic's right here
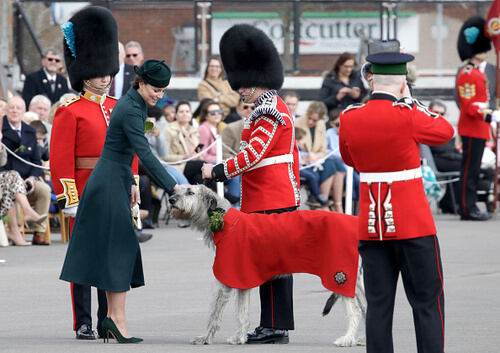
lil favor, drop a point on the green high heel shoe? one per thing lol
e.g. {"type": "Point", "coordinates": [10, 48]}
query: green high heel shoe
{"type": "Point", "coordinates": [109, 327]}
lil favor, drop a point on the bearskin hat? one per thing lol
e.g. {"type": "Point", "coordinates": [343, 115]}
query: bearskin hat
{"type": "Point", "coordinates": [90, 45]}
{"type": "Point", "coordinates": [471, 38]}
{"type": "Point", "coordinates": [250, 58]}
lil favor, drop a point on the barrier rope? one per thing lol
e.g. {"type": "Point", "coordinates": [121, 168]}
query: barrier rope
{"type": "Point", "coordinates": [318, 163]}
{"type": "Point", "coordinates": [23, 160]}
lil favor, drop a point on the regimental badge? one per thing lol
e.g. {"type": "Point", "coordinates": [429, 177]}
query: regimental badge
{"type": "Point", "coordinates": [340, 277]}
{"type": "Point", "coordinates": [467, 91]}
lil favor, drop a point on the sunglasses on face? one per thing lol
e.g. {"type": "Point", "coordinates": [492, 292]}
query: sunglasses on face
{"type": "Point", "coordinates": [214, 112]}
{"type": "Point", "coordinates": [337, 124]}
{"type": "Point", "coordinates": [134, 55]}
{"type": "Point", "coordinates": [54, 59]}
{"type": "Point", "coordinates": [245, 107]}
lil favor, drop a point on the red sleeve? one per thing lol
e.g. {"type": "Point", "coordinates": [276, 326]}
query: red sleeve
{"type": "Point", "coordinates": [62, 153]}
{"type": "Point", "coordinates": [344, 150]}
{"type": "Point", "coordinates": [265, 134]}
{"type": "Point", "coordinates": [429, 128]}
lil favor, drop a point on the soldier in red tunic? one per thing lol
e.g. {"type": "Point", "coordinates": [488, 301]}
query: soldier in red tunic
{"type": "Point", "coordinates": [475, 113]}
{"type": "Point", "coordinates": [268, 161]}
{"type": "Point", "coordinates": [396, 228]}
{"type": "Point", "coordinates": [79, 131]}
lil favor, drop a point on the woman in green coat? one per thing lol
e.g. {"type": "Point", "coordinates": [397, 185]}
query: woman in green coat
{"type": "Point", "coordinates": [103, 235]}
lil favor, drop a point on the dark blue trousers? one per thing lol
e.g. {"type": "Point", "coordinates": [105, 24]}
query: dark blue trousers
{"type": "Point", "coordinates": [276, 296]}
{"type": "Point", "coordinates": [419, 262]}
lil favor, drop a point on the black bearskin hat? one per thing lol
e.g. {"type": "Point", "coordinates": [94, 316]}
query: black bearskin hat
{"type": "Point", "coordinates": [90, 45]}
{"type": "Point", "coordinates": [250, 58]}
{"type": "Point", "coordinates": [471, 38]}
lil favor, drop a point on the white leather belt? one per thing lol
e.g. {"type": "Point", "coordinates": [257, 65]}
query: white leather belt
{"type": "Point", "coordinates": [285, 158]}
{"type": "Point", "coordinates": [390, 176]}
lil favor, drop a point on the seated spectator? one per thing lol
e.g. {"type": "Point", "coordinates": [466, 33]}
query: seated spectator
{"type": "Point", "coordinates": [447, 158]}
{"type": "Point", "coordinates": [159, 145]}
{"type": "Point", "coordinates": [3, 107]}
{"type": "Point", "coordinates": [342, 85]}
{"type": "Point", "coordinates": [242, 111]}
{"type": "Point", "coordinates": [332, 142]}
{"type": "Point", "coordinates": [210, 117]}
{"type": "Point", "coordinates": [41, 105]}
{"type": "Point", "coordinates": [315, 145]}
{"type": "Point", "coordinates": [231, 137]}
{"type": "Point", "coordinates": [168, 116]}
{"type": "Point", "coordinates": [312, 177]}
{"type": "Point", "coordinates": [41, 134]}
{"type": "Point", "coordinates": [183, 142]}
{"type": "Point", "coordinates": [21, 139]}
{"type": "Point", "coordinates": [52, 112]}
{"type": "Point", "coordinates": [215, 86]}
{"type": "Point", "coordinates": [12, 189]}
{"type": "Point", "coordinates": [291, 99]}
{"type": "Point", "coordinates": [28, 117]}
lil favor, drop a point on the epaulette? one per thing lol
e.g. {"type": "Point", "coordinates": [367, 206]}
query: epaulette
{"type": "Point", "coordinates": [112, 97]}
{"type": "Point", "coordinates": [71, 101]}
{"type": "Point", "coordinates": [406, 102]}
{"type": "Point", "coordinates": [353, 106]}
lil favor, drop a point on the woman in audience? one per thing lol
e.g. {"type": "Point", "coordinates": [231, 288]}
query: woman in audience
{"type": "Point", "coordinates": [215, 86]}
{"type": "Point", "coordinates": [183, 142]}
{"type": "Point", "coordinates": [342, 85]}
{"type": "Point", "coordinates": [12, 189]}
{"type": "Point", "coordinates": [315, 144]}
{"type": "Point", "coordinates": [210, 118]}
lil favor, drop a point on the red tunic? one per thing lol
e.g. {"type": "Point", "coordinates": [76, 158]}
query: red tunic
{"type": "Point", "coordinates": [383, 136]}
{"type": "Point", "coordinates": [267, 133]}
{"type": "Point", "coordinates": [251, 250]}
{"type": "Point", "coordinates": [473, 94]}
{"type": "Point", "coordinates": [79, 130]}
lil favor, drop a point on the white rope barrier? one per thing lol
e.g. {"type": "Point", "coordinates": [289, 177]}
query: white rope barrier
{"type": "Point", "coordinates": [23, 160]}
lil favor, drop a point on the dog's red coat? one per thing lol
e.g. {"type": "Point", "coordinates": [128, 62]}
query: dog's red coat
{"type": "Point", "coordinates": [252, 248]}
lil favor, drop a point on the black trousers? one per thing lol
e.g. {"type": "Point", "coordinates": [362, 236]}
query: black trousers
{"type": "Point", "coordinates": [81, 300]}
{"type": "Point", "coordinates": [276, 296]}
{"type": "Point", "coordinates": [419, 262]}
{"type": "Point", "coordinates": [472, 150]}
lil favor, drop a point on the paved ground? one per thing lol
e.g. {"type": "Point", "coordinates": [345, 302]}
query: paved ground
{"type": "Point", "coordinates": [35, 311]}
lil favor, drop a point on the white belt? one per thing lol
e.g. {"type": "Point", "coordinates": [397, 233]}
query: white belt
{"type": "Point", "coordinates": [285, 158]}
{"type": "Point", "coordinates": [390, 176]}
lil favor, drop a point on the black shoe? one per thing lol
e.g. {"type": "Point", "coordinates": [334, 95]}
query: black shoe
{"type": "Point", "coordinates": [324, 201]}
{"type": "Point", "coordinates": [85, 333]}
{"type": "Point", "coordinates": [142, 237]}
{"type": "Point", "coordinates": [147, 223]}
{"type": "Point", "coordinates": [476, 216]}
{"type": "Point", "coordinates": [263, 335]}
{"type": "Point", "coordinates": [312, 201]}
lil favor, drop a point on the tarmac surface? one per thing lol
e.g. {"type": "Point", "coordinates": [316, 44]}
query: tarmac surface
{"type": "Point", "coordinates": [36, 313]}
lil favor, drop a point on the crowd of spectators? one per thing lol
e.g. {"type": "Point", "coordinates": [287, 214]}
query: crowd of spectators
{"type": "Point", "coordinates": [184, 139]}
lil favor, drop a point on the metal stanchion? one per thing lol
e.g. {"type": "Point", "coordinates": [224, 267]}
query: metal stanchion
{"type": "Point", "coordinates": [348, 191]}
{"type": "Point", "coordinates": [220, 186]}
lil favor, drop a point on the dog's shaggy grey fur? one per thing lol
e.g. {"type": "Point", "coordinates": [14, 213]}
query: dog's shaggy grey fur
{"type": "Point", "coordinates": [190, 204]}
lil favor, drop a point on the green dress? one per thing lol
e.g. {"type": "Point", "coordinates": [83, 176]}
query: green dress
{"type": "Point", "coordinates": [103, 250]}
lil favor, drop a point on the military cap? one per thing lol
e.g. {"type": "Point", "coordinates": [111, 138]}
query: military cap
{"type": "Point", "coordinates": [385, 63]}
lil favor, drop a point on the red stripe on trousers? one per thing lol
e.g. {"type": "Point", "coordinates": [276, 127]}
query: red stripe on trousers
{"type": "Point", "coordinates": [440, 294]}
{"type": "Point", "coordinates": [73, 307]}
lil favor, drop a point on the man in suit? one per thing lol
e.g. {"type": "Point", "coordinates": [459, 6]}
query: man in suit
{"type": "Point", "coordinates": [124, 78]}
{"type": "Point", "coordinates": [133, 53]}
{"type": "Point", "coordinates": [242, 111]}
{"type": "Point", "coordinates": [46, 81]}
{"type": "Point", "coordinates": [21, 139]}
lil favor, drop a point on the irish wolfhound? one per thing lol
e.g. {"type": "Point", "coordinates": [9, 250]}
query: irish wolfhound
{"type": "Point", "coordinates": [312, 251]}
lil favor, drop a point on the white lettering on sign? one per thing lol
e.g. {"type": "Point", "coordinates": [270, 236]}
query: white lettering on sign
{"type": "Point", "coordinates": [328, 35]}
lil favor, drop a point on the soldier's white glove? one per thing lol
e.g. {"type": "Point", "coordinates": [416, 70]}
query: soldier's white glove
{"type": "Point", "coordinates": [71, 211]}
{"type": "Point", "coordinates": [495, 116]}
